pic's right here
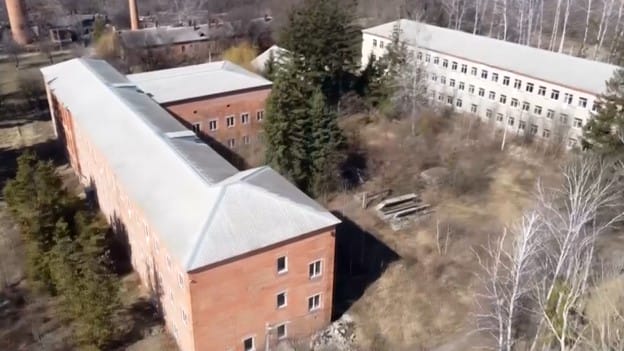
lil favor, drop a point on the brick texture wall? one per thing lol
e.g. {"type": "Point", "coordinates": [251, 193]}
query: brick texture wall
{"type": "Point", "coordinates": [235, 300]}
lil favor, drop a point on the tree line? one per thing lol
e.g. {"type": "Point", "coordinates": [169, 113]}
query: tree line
{"type": "Point", "coordinates": [66, 245]}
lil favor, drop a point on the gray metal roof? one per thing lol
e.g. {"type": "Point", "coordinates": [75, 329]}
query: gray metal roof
{"type": "Point", "coordinates": [569, 71]}
{"type": "Point", "coordinates": [188, 82]}
{"type": "Point", "coordinates": [167, 35]}
{"type": "Point", "coordinates": [204, 210]}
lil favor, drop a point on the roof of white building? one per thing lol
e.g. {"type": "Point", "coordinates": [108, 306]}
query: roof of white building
{"type": "Point", "coordinates": [189, 82]}
{"type": "Point", "coordinates": [203, 209]}
{"type": "Point", "coordinates": [259, 63]}
{"type": "Point", "coordinates": [573, 72]}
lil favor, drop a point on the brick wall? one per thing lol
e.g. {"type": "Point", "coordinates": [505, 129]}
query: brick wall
{"type": "Point", "coordinates": [235, 300]}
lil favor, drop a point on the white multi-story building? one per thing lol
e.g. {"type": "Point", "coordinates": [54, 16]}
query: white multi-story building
{"type": "Point", "coordinates": [526, 89]}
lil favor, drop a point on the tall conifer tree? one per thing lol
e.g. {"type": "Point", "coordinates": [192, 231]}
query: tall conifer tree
{"type": "Point", "coordinates": [604, 132]}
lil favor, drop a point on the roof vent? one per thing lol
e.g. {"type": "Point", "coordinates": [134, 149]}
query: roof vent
{"type": "Point", "coordinates": [124, 85]}
{"type": "Point", "coordinates": [181, 134]}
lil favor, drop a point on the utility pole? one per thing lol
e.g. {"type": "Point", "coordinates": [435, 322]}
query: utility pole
{"type": "Point", "coordinates": [267, 333]}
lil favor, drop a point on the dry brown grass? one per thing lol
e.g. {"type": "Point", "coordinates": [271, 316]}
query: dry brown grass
{"type": "Point", "coordinates": [427, 298]}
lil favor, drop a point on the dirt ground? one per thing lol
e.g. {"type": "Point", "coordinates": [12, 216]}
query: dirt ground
{"type": "Point", "coordinates": [426, 299]}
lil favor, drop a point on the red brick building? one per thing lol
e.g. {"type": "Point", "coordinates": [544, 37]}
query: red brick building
{"type": "Point", "coordinates": [219, 99]}
{"type": "Point", "coordinates": [234, 259]}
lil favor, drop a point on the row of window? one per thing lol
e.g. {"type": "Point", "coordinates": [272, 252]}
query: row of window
{"type": "Point", "coordinates": [230, 121]}
{"type": "Point", "coordinates": [506, 80]}
{"type": "Point", "coordinates": [249, 344]}
{"type": "Point", "coordinates": [315, 268]}
{"type": "Point", "coordinates": [563, 118]}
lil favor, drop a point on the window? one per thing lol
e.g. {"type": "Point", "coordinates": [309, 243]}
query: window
{"type": "Point", "coordinates": [314, 302]}
{"type": "Point", "coordinates": [473, 108]}
{"type": "Point", "coordinates": [374, 43]}
{"type": "Point", "coordinates": [510, 120]}
{"type": "Point", "coordinates": [464, 68]}
{"type": "Point", "coordinates": [458, 103]}
{"type": "Point", "coordinates": [259, 115]}
{"type": "Point", "coordinates": [281, 332]}
{"type": "Point", "coordinates": [505, 80]}
{"type": "Point", "coordinates": [582, 102]}
{"type": "Point", "coordinates": [281, 301]}
{"type": "Point", "coordinates": [567, 98]}
{"type": "Point", "coordinates": [427, 58]}
{"type": "Point", "coordinates": [381, 44]}
{"type": "Point", "coordinates": [521, 125]}
{"type": "Point", "coordinates": [248, 344]}
{"type": "Point", "coordinates": [594, 106]}
{"type": "Point", "coordinates": [449, 100]}
{"type": "Point", "coordinates": [434, 77]}
{"type": "Point", "coordinates": [246, 140]}
{"type": "Point", "coordinates": [517, 83]}
{"type": "Point", "coordinates": [514, 102]}
{"type": "Point", "coordinates": [563, 118]}
{"type": "Point", "coordinates": [492, 95]}
{"type": "Point", "coordinates": [454, 66]}
{"type": "Point", "coordinates": [442, 79]}
{"type": "Point", "coordinates": [488, 113]}
{"type": "Point", "coordinates": [473, 71]}
{"type": "Point", "coordinates": [537, 110]}
{"type": "Point", "coordinates": [436, 60]}
{"type": "Point", "coordinates": [546, 133]}
{"type": "Point", "coordinates": [533, 129]}
{"type": "Point", "coordinates": [452, 82]}
{"type": "Point", "coordinates": [196, 127]}
{"type": "Point", "coordinates": [526, 106]}
{"type": "Point", "coordinates": [231, 143]}
{"type": "Point", "coordinates": [180, 279]}
{"type": "Point", "coordinates": [245, 118]}
{"type": "Point", "coordinates": [578, 123]}
{"type": "Point", "coordinates": [541, 91]}
{"type": "Point", "coordinates": [471, 89]}
{"type": "Point", "coordinates": [554, 94]}
{"type": "Point", "coordinates": [212, 125]}
{"type": "Point", "coordinates": [494, 77]}
{"type": "Point", "coordinates": [229, 121]}
{"type": "Point", "coordinates": [315, 269]}
{"type": "Point", "coordinates": [499, 117]}
{"type": "Point", "coordinates": [440, 97]}
{"type": "Point", "coordinates": [282, 265]}
{"type": "Point", "coordinates": [571, 142]}
{"type": "Point", "coordinates": [484, 74]}
{"type": "Point", "coordinates": [529, 87]}
{"type": "Point", "coordinates": [445, 63]}
{"type": "Point", "coordinates": [461, 85]}
{"type": "Point", "coordinates": [503, 99]}
{"type": "Point", "coordinates": [550, 114]}
{"type": "Point", "coordinates": [481, 92]}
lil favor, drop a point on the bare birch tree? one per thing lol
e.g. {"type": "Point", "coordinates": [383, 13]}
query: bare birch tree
{"type": "Point", "coordinates": [566, 15]}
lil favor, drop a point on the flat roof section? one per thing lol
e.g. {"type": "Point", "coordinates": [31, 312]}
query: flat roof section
{"type": "Point", "coordinates": [195, 81]}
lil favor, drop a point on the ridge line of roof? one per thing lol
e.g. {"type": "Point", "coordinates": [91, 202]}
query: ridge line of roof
{"type": "Point", "coordinates": [202, 232]}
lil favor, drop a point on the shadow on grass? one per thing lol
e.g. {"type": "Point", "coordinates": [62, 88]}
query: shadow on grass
{"type": "Point", "coordinates": [360, 260]}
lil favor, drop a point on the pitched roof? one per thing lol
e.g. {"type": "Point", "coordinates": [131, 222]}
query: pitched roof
{"type": "Point", "coordinates": [188, 82]}
{"type": "Point", "coordinates": [204, 210]}
{"type": "Point", "coordinates": [573, 72]}
{"type": "Point", "coordinates": [167, 35]}
{"type": "Point", "coordinates": [259, 63]}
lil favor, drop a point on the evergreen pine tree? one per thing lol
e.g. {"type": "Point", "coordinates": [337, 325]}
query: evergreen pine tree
{"type": "Point", "coordinates": [324, 34]}
{"type": "Point", "coordinates": [327, 145]}
{"type": "Point", "coordinates": [287, 125]}
{"type": "Point", "coordinates": [604, 132]}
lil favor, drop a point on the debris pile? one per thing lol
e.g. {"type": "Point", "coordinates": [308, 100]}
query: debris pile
{"type": "Point", "coordinates": [337, 336]}
{"type": "Point", "coordinates": [401, 210]}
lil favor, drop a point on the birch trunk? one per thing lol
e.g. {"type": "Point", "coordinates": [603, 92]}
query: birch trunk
{"type": "Point", "coordinates": [565, 25]}
{"type": "Point", "coordinates": [586, 31]}
{"type": "Point", "coordinates": [555, 29]}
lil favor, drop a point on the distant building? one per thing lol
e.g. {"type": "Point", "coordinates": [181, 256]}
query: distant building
{"type": "Point", "coordinates": [275, 52]}
{"type": "Point", "coordinates": [219, 99]}
{"type": "Point", "coordinates": [235, 259]}
{"type": "Point", "coordinates": [527, 90]}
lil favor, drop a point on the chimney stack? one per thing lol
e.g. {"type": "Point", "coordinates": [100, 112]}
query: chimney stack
{"type": "Point", "coordinates": [17, 19]}
{"type": "Point", "coordinates": [134, 14]}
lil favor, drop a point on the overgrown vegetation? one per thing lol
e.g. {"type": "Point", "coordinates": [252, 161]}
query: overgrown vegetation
{"type": "Point", "coordinates": [66, 248]}
{"type": "Point", "coordinates": [241, 54]}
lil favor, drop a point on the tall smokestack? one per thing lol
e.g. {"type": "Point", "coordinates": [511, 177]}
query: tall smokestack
{"type": "Point", "coordinates": [17, 19]}
{"type": "Point", "coordinates": [134, 14]}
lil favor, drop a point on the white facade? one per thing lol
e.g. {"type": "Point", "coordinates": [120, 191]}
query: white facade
{"type": "Point", "coordinates": [521, 102]}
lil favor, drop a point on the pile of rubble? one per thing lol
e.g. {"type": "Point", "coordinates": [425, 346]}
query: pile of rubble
{"type": "Point", "coordinates": [337, 336]}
